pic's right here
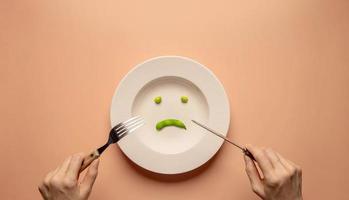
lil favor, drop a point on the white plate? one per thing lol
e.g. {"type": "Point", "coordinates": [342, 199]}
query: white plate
{"type": "Point", "coordinates": [171, 150]}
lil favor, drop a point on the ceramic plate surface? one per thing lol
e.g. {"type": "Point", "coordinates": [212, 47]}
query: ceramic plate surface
{"type": "Point", "coordinates": [171, 150]}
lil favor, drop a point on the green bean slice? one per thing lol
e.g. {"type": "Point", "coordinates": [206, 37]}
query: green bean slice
{"type": "Point", "coordinates": [169, 122]}
{"type": "Point", "coordinates": [157, 100]}
{"type": "Point", "coordinates": [184, 99]}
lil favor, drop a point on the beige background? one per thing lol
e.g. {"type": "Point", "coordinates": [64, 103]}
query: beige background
{"type": "Point", "coordinates": [284, 65]}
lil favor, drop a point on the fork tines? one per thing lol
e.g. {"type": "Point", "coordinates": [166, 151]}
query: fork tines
{"type": "Point", "coordinates": [128, 126]}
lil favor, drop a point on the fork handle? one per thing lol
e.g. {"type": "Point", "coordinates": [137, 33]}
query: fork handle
{"type": "Point", "coordinates": [88, 159]}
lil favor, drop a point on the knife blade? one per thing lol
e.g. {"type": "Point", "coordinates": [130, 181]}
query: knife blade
{"type": "Point", "coordinates": [244, 150]}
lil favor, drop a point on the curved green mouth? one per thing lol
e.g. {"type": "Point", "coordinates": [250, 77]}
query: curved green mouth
{"type": "Point", "coordinates": [170, 122]}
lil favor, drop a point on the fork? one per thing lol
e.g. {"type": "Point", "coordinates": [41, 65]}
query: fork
{"type": "Point", "coordinates": [116, 133]}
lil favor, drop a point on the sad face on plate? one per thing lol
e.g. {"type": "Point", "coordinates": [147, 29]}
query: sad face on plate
{"type": "Point", "coordinates": [170, 122]}
{"type": "Point", "coordinates": [168, 105]}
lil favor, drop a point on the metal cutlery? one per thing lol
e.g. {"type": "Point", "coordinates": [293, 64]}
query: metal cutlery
{"type": "Point", "coordinates": [116, 133]}
{"type": "Point", "coordinates": [243, 149]}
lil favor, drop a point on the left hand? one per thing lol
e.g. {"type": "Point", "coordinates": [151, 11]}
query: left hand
{"type": "Point", "coordinates": [63, 183]}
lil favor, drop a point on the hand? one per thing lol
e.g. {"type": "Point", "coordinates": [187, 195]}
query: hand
{"type": "Point", "coordinates": [63, 183]}
{"type": "Point", "coordinates": [282, 179]}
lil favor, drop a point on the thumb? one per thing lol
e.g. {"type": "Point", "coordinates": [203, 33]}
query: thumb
{"type": "Point", "coordinates": [254, 177]}
{"type": "Point", "coordinates": [89, 179]}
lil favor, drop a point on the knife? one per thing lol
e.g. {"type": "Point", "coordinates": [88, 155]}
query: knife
{"type": "Point", "coordinates": [243, 149]}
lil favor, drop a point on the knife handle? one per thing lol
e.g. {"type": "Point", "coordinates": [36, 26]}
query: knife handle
{"type": "Point", "coordinates": [248, 153]}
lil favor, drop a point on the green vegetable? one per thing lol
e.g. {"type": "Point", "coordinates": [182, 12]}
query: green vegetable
{"type": "Point", "coordinates": [169, 122]}
{"type": "Point", "coordinates": [157, 100]}
{"type": "Point", "coordinates": [184, 99]}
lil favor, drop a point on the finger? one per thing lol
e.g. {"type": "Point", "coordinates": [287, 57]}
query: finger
{"type": "Point", "coordinates": [43, 191]}
{"type": "Point", "coordinates": [44, 187]}
{"type": "Point", "coordinates": [54, 172]}
{"type": "Point", "coordinates": [254, 177]}
{"type": "Point", "coordinates": [63, 168]}
{"type": "Point", "coordinates": [295, 168]}
{"type": "Point", "coordinates": [47, 180]}
{"type": "Point", "coordinates": [89, 179]}
{"type": "Point", "coordinates": [51, 174]}
{"type": "Point", "coordinates": [262, 160]}
{"type": "Point", "coordinates": [293, 164]}
{"type": "Point", "coordinates": [74, 167]}
{"type": "Point", "coordinates": [288, 166]}
{"type": "Point", "coordinates": [274, 159]}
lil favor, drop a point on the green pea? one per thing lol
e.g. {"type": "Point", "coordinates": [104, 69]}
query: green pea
{"type": "Point", "coordinates": [169, 122]}
{"type": "Point", "coordinates": [184, 99]}
{"type": "Point", "coordinates": [157, 100]}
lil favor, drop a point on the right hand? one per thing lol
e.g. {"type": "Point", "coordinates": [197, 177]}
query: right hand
{"type": "Point", "coordinates": [282, 179]}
